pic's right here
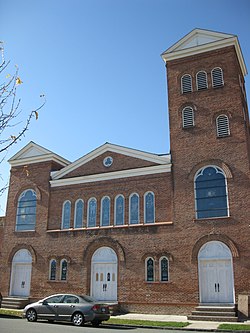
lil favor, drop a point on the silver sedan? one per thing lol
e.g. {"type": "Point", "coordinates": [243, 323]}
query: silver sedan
{"type": "Point", "coordinates": [78, 309]}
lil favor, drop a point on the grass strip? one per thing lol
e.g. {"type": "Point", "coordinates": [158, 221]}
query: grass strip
{"type": "Point", "coordinates": [235, 327]}
{"type": "Point", "coordinates": [11, 312]}
{"type": "Point", "coordinates": [135, 322]}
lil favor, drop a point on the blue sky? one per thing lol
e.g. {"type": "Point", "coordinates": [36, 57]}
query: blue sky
{"type": "Point", "coordinates": [98, 63]}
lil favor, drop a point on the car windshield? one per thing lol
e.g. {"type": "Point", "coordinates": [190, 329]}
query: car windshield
{"type": "Point", "coordinates": [88, 299]}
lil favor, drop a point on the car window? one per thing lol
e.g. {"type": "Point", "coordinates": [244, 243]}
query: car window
{"type": "Point", "coordinates": [54, 299]}
{"type": "Point", "coordinates": [70, 299]}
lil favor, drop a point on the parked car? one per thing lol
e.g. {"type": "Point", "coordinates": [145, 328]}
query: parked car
{"type": "Point", "coordinates": [78, 309]}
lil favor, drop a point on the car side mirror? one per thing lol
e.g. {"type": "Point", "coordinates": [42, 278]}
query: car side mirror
{"type": "Point", "coordinates": [45, 303]}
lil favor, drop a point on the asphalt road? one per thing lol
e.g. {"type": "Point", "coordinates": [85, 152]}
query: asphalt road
{"type": "Point", "coordinates": [12, 325]}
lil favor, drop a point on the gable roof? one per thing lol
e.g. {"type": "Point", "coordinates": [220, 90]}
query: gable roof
{"type": "Point", "coordinates": [108, 147]}
{"type": "Point", "coordinates": [199, 41]}
{"type": "Point", "coordinates": [33, 153]}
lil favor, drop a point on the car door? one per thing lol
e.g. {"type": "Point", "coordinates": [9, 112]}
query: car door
{"type": "Point", "coordinates": [48, 308]}
{"type": "Point", "coordinates": [67, 307]}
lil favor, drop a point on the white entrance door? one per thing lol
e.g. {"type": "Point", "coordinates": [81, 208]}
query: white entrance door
{"type": "Point", "coordinates": [21, 274]}
{"type": "Point", "coordinates": [104, 275]}
{"type": "Point", "coordinates": [216, 273]}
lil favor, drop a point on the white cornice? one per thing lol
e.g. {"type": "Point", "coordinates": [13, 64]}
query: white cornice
{"type": "Point", "coordinates": [176, 52]}
{"type": "Point", "coordinates": [38, 159]}
{"type": "Point", "coordinates": [107, 147]}
{"type": "Point", "coordinates": [112, 175]}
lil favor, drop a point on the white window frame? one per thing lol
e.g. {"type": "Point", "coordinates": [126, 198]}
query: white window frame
{"type": "Point", "coordinates": [101, 218]}
{"type": "Point", "coordinates": [50, 262]}
{"type": "Point", "coordinates": [146, 269]}
{"type": "Point", "coordinates": [145, 206]}
{"type": "Point", "coordinates": [75, 215]}
{"type": "Point", "coordinates": [88, 226]}
{"type": "Point", "coordinates": [198, 83]}
{"type": "Point", "coordinates": [213, 77]}
{"type": "Point", "coordinates": [62, 223]}
{"type": "Point", "coordinates": [222, 130]}
{"type": "Point", "coordinates": [130, 208]}
{"type": "Point", "coordinates": [61, 262]}
{"type": "Point", "coordinates": [25, 214]}
{"type": "Point", "coordinates": [161, 258]}
{"type": "Point", "coordinates": [185, 123]}
{"type": "Point", "coordinates": [115, 221]}
{"type": "Point", "coordinates": [182, 84]}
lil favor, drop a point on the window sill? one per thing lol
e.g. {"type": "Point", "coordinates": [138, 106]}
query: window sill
{"type": "Point", "coordinates": [157, 282]}
{"type": "Point", "coordinates": [213, 219]}
{"type": "Point", "coordinates": [57, 281]}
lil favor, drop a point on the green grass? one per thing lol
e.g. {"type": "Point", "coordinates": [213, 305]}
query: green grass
{"type": "Point", "coordinates": [135, 322]}
{"type": "Point", "coordinates": [234, 327]}
{"type": "Point", "coordinates": [9, 312]}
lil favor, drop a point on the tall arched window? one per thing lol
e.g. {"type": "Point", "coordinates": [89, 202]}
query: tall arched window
{"type": "Point", "coordinates": [222, 126]}
{"type": "Point", "coordinates": [92, 206]}
{"type": "Point", "coordinates": [211, 193]}
{"type": "Point", "coordinates": [119, 210]}
{"type": "Point", "coordinates": [164, 269]}
{"type": "Point", "coordinates": [26, 211]}
{"type": "Point", "coordinates": [150, 276]}
{"type": "Point", "coordinates": [52, 269]}
{"type": "Point", "coordinates": [187, 117]}
{"type": "Point", "coordinates": [217, 77]}
{"type": "Point", "coordinates": [201, 80]}
{"type": "Point", "coordinates": [105, 211]}
{"type": "Point", "coordinates": [134, 209]}
{"type": "Point", "coordinates": [149, 207]}
{"type": "Point", "coordinates": [63, 270]}
{"type": "Point", "coordinates": [66, 213]}
{"type": "Point", "coordinates": [79, 209]}
{"type": "Point", "coordinates": [186, 84]}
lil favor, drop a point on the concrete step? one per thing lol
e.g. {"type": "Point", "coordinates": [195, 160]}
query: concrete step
{"type": "Point", "coordinates": [213, 318]}
{"type": "Point", "coordinates": [14, 302]}
{"type": "Point", "coordinates": [214, 313]}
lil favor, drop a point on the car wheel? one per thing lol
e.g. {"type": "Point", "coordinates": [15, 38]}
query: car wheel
{"type": "Point", "coordinates": [96, 323]}
{"type": "Point", "coordinates": [31, 315]}
{"type": "Point", "coordinates": [78, 319]}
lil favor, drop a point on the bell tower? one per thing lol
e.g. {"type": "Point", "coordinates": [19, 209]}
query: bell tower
{"type": "Point", "coordinates": [209, 121]}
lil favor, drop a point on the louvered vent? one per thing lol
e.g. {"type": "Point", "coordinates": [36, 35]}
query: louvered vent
{"type": "Point", "coordinates": [186, 83]}
{"type": "Point", "coordinates": [217, 77]}
{"type": "Point", "coordinates": [201, 80]}
{"type": "Point", "coordinates": [222, 123]}
{"type": "Point", "coordinates": [187, 117]}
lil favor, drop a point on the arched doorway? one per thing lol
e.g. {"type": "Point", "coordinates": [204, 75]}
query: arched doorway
{"type": "Point", "coordinates": [21, 273]}
{"type": "Point", "coordinates": [104, 274]}
{"type": "Point", "coordinates": [216, 281]}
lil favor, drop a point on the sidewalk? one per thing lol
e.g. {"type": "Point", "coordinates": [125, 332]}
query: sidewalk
{"type": "Point", "coordinates": [194, 325]}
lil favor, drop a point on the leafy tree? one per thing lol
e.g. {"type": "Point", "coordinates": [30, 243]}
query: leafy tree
{"type": "Point", "coordinates": [13, 122]}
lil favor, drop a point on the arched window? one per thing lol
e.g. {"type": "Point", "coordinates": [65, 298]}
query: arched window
{"type": "Point", "coordinates": [217, 77]}
{"type": "Point", "coordinates": [119, 210]}
{"type": "Point", "coordinates": [63, 270]}
{"type": "Point", "coordinates": [150, 270]}
{"type": "Point", "coordinates": [164, 269]}
{"type": "Point", "coordinates": [134, 209]}
{"type": "Point", "coordinates": [201, 80]}
{"type": "Point", "coordinates": [52, 269]}
{"type": "Point", "coordinates": [105, 211]}
{"type": "Point", "coordinates": [79, 209]}
{"type": "Point", "coordinates": [149, 207]}
{"type": "Point", "coordinates": [211, 193]}
{"type": "Point", "coordinates": [187, 117]}
{"type": "Point", "coordinates": [26, 211]}
{"type": "Point", "coordinates": [92, 206]}
{"type": "Point", "coordinates": [222, 126]}
{"type": "Point", "coordinates": [66, 215]}
{"type": "Point", "coordinates": [186, 84]}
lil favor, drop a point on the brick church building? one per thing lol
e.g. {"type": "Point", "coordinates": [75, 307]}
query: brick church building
{"type": "Point", "coordinates": [151, 232]}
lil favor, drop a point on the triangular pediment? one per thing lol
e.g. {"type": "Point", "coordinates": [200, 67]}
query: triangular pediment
{"type": "Point", "coordinates": [93, 162]}
{"type": "Point", "coordinates": [33, 153]}
{"type": "Point", "coordinates": [199, 41]}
